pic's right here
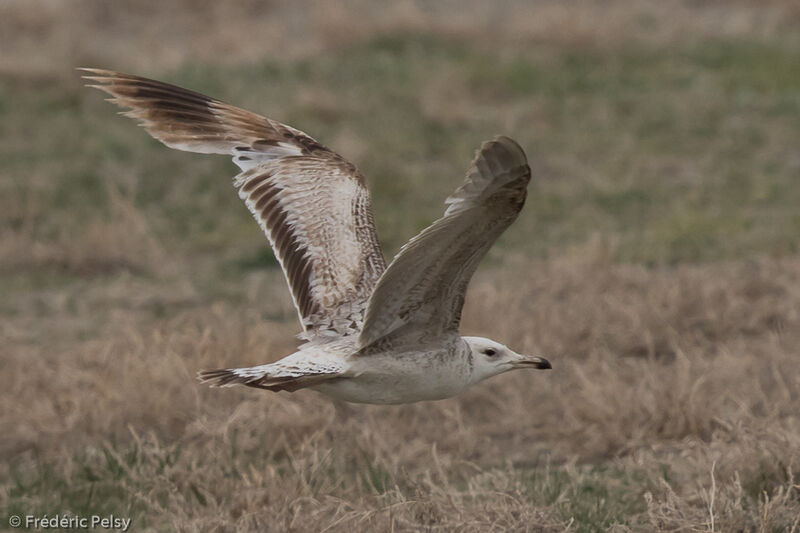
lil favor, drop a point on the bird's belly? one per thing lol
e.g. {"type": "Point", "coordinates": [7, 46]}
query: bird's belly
{"type": "Point", "coordinates": [397, 380]}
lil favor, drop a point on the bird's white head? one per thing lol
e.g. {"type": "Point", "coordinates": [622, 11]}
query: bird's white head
{"type": "Point", "coordinates": [490, 358]}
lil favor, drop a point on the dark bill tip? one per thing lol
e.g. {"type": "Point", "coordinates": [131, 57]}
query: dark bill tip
{"type": "Point", "coordinates": [539, 363]}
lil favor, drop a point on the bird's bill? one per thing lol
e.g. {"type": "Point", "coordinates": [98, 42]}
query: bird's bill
{"type": "Point", "coordinates": [530, 361]}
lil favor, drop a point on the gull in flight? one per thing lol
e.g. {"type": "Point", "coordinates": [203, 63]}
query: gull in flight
{"type": "Point", "coordinates": [374, 333]}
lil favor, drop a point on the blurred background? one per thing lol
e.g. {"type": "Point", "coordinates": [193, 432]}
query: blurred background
{"type": "Point", "coordinates": [656, 264]}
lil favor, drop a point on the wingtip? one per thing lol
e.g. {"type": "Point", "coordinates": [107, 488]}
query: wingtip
{"type": "Point", "coordinates": [97, 78]}
{"type": "Point", "coordinates": [500, 154]}
{"type": "Point", "coordinates": [506, 142]}
{"type": "Point", "coordinates": [95, 74]}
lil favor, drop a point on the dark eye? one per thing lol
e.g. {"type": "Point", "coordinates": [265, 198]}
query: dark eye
{"type": "Point", "coordinates": [490, 352]}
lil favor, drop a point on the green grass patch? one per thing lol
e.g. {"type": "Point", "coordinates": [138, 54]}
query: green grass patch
{"type": "Point", "coordinates": [680, 153]}
{"type": "Point", "coordinates": [591, 498]}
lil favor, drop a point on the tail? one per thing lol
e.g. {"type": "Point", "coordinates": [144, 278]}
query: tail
{"type": "Point", "coordinates": [259, 377]}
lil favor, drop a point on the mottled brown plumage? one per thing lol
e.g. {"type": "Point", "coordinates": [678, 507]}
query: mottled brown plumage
{"type": "Point", "coordinates": [312, 204]}
{"type": "Point", "coordinates": [424, 287]}
{"type": "Point", "coordinates": [375, 334]}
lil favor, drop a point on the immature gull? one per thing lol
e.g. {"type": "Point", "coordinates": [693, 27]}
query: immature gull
{"type": "Point", "coordinates": [374, 334]}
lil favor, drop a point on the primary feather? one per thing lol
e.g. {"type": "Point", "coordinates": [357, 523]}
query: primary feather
{"type": "Point", "coordinates": [312, 204]}
{"type": "Point", "coordinates": [375, 334]}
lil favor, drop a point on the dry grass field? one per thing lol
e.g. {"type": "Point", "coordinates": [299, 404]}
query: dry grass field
{"type": "Point", "coordinates": [656, 264]}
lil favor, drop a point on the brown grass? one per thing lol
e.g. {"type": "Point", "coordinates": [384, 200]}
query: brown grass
{"type": "Point", "coordinates": [674, 402]}
{"type": "Point", "coordinates": [682, 383]}
{"type": "Point", "coordinates": [149, 34]}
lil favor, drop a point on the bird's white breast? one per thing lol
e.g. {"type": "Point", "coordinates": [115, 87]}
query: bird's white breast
{"type": "Point", "coordinates": [404, 377]}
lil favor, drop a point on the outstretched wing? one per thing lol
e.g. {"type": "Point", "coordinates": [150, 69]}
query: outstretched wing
{"type": "Point", "coordinates": [312, 204]}
{"type": "Point", "coordinates": [421, 294]}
